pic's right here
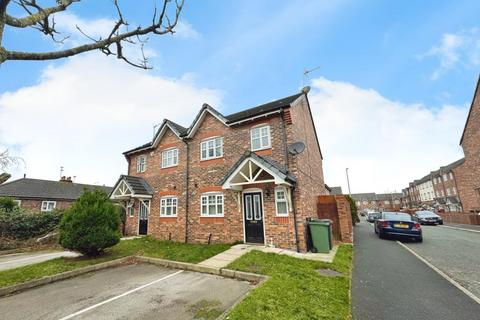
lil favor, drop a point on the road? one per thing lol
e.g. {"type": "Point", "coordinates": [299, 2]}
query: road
{"type": "Point", "coordinates": [139, 291]}
{"type": "Point", "coordinates": [391, 283]}
{"type": "Point", "coordinates": [15, 260]}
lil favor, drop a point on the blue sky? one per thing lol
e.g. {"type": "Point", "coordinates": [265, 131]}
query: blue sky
{"type": "Point", "coordinates": [422, 53]}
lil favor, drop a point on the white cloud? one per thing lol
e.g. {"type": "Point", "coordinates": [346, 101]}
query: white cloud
{"type": "Point", "coordinates": [386, 144]}
{"type": "Point", "coordinates": [456, 49]}
{"type": "Point", "coordinates": [186, 30]}
{"type": "Point", "coordinates": [83, 114]}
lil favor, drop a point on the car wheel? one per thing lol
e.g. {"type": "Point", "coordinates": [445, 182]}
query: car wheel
{"type": "Point", "coordinates": [380, 235]}
{"type": "Point", "coordinates": [441, 223]}
{"type": "Point", "coordinates": [420, 239]}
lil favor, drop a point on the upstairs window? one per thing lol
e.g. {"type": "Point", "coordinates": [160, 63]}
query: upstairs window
{"type": "Point", "coordinates": [141, 163]}
{"type": "Point", "coordinates": [48, 205]}
{"type": "Point", "coordinates": [211, 148]}
{"type": "Point", "coordinates": [451, 176]}
{"type": "Point", "coordinates": [260, 138]}
{"type": "Point", "coordinates": [168, 207]}
{"type": "Point", "coordinates": [212, 205]}
{"type": "Point", "coordinates": [281, 202]}
{"type": "Point", "coordinates": [169, 158]}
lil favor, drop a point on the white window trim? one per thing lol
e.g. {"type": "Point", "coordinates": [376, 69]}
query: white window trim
{"type": "Point", "coordinates": [176, 207]}
{"type": "Point", "coordinates": [144, 163]}
{"type": "Point", "coordinates": [259, 127]}
{"type": "Point", "coordinates": [18, 202]}
{"type": "Point", "coordinates": [47, 202]}
{"type": "Point", "coordinates": [168, 150]}
{"type": "Point", "coordinates": [284, 200]}
{"type": "Point", "coordinates": [206, 194]}
{"type": "Point", "coordinates": [206, 141]}
{"type": "Point", "coordinates": [130, 209]}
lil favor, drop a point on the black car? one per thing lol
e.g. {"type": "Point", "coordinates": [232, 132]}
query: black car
{"type": "Point", "coordinates": [427, 217]}
{"type": "Point", "coordinates": [398, 224]}
{"type": "Point", "coordinates": [372, 216]}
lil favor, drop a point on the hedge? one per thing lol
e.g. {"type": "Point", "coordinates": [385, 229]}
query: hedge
{"type": "Point", "coordinates": [22, 224]}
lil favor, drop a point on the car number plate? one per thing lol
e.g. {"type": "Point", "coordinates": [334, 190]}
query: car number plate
{"type": "Point", "coordinates": [401, 225]}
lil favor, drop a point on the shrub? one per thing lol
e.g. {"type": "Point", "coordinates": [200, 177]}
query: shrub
{"type": "Point", "coordinates": [353, 210]}
{"type": "Point", "coordinates": [91, 224]}
{"type": "Point", "coordinates": [7, 204]}
{"type": "Point", "coordinates": [21, 224]}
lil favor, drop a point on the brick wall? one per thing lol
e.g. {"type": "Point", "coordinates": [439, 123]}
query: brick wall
{"type": "Point", "coordinates": [468, 174]}
{"type": "Point", "coordinates": [36, 205]}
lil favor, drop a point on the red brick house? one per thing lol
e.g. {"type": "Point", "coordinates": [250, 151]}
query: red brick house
{"type": "Point", "coordinates": [468, 173]}
{"type": "Point", "coordinates": [252, 176]}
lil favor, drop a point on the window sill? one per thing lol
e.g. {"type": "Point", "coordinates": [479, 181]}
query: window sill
{"type": "Point", "coordinates": [168, 219]}
{"type": "Point", "coordinates": [263, 152]}
{"type": "Point", "coordinates": [212, 220]}
{"type": "Point", "coordinates": [209, 159]}
{"type": "Point", "coordinates": [169, 169]}
{"type": "Point", "coordinates": [213, 161]}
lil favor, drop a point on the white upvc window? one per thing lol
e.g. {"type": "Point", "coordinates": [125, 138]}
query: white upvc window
{"type": "Point", "coordinates": [454, 190]}
{"type": "Point", "coordinates": [386, 202]}
{"type": "Point", "coordinates": [211, 205]}
{"type": "Point", "coordinates": [130, 210]}
{"type": "Point", "coordinates": [48, 205]}
{"type": "Point", "coordinates": [168, 207]}
{"type": "Point", "coordinates": [281, 202]}
{"type": "Point", "coordinates": [211, 148]}
{"type": "Point", "coordinates": [260, 138]}
{"type": "Point", "coordinates": [141, 163]}
{"type": "Point", "coordinates": [169, 158]}
{"type": "Point", "coordinates": [448, 191]}
{"type": "Point", "coordinates": [451, 176]}
{"type": "Point", "coordinates": [445, 178]}
{"type": "Point", "coordinates": [18, 203]}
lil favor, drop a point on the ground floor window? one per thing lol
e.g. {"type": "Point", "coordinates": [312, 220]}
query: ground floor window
{"type": "Point", "coordinates": [48, 205]}
{"type": "Point", "coordinates": [281, 202]}
{"type": "Point", "coordinates": [168, 207]}
{"type": "Point", "coordinates": [212, 205]}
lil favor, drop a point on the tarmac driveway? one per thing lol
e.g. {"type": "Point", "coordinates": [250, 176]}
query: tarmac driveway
{"type": "Point", "coordinates": [140, 291]}
{"type": "Point", "coordinates": [15, 260]}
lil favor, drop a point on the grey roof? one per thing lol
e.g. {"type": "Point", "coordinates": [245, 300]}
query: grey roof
{"type": "Point", "coordinates": [137, 184]}
{"type": "Point", "coordinates": [336, 190]}
{"type": "Point", "coordinates": [234, 117]}
{"type": "Point", "coordinates": [372, 196]}
{"type": "Point", "coordinates": [265, 161]}
{"type": "Point", "coordinates": [46, 189]}
{"type": "Point", "coordinates": [264, 108]}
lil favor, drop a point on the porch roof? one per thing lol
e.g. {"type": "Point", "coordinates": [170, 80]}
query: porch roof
{"type": "Point", "coordinates": [131, 187]}
{"type": "Point", "coordinates": [263, 164]}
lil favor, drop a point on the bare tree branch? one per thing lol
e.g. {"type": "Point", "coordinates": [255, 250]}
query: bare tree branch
{"type": "Point", "coordinates": [43, 20]}
{"type": "Point", "coordinates": [8, 161]}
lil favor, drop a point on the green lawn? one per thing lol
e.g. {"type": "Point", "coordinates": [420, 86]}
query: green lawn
{"type": "Point", "coordinates": [295, 290]}
{"type": "Point", "coordinates": [193, 253]}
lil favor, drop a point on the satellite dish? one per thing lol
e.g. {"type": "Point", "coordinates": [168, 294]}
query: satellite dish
{"type": "Point", "coordinates": [296, 147]}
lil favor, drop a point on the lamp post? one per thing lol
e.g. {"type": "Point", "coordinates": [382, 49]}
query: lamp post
{"type": "Point", "coordinates": [348, 182]}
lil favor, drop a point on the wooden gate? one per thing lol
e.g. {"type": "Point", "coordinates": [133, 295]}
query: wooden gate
{"type": "Point", "coordinates": [327, 209]}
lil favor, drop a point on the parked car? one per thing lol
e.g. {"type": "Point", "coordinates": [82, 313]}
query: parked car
{"type": "Point", "coordinates": [398, 224]}
{"type": "Point", "coordinates": [372, 216]}
{"type": "Point", "coordinates": [427, 217]}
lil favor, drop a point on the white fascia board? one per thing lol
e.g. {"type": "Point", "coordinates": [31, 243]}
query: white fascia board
{"type": "Point", "coordinates": [200, 119]}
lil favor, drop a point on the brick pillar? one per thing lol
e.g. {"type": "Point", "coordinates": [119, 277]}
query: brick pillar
{"type": "Point", "coordinates": [345, 219]}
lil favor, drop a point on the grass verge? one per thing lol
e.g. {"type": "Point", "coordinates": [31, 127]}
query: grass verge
{"type": "Point", "coordinates": [149, 247]}
{"type": "Point", "coordinates": [295, 290]}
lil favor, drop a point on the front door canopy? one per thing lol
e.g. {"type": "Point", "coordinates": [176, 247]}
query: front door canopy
{"type": "Point", "coordinates": [128, 187]}
{"type": "Point", "coordinates": [255, 169]}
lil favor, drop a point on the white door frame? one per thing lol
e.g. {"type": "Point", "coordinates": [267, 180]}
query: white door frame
{"type": "Point", "coordinates": [148, 214]}
{"type": "Point", "coordinates": [253, 190]}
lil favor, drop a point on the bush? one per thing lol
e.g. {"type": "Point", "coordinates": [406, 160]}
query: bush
{"type": "Point", "coordinates": [91, 224]}
{"type": "Point", "coordinates": [21, 224]}
{"type": "Point", "coordinates": [353, 210]}
{"type": "Point", "coordinates": [7, 204]}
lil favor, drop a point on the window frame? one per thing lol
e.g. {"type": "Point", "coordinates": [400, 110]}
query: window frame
{"type": "Point", "coordinates": [47, 202]}
{"type": "Point", "coordinates": [166, 198]}
{"type": "Point", "coordinates": [139, 164]}
{"type": "Point", "coordinates": [164, 156]}
{"type": "Point", "coordinates": [284, 200]}
{"type": "Point", "coordinates": [207, 204]}
{"type": "Point", "coordinates": [262, 147]}
{"type": "Point", "coordinates": [131, 209]}
{"type": "Point", "coordinates": [18, 202]}
{"type": "Point", "coordinates": [205, 142]}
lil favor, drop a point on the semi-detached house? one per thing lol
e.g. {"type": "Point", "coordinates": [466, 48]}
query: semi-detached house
{"type": "Point", "coordinates": [253, 176]}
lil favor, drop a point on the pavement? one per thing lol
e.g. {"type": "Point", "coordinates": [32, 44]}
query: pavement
{"type": "Point", "coordinates": [15, 260]}
{"type": "Point", "coordinates": [462, 226]}
{"type": "Point", "coordinates": [139, 291]}
{"type": "Point", "coordinates": [391, 283]}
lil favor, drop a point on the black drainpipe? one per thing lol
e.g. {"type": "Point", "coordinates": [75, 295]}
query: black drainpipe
{"type": "Point", "coordinates": [187, 178]}
{"type": "Point", "coordinates": [284, 140]}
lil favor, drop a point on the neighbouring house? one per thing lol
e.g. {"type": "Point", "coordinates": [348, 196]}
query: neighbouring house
{"type": "Point", "coordinates": [336, 190]}
{"type": "Point", "coordinates": [45, 195]}
{"type": "Point", "coordinates": [252, 176]}
{"type": "Point", "coordinates": [378, 201]}
{"type": "Point", "coordinates": [468, 173]}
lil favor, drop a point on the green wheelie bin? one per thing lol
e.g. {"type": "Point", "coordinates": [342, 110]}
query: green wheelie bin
{"type": "Point", "coordinates": [321, 235]}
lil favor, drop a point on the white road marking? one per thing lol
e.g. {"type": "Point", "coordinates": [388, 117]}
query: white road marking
{"type": "Point", "coordinates": [119, 296]}
{"type": "Point", "coordinates": [30, 258]}
{"type": "Point", "coordinates": [441, 273]}
{"type": "Point", "coordinates": [463, 229]}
